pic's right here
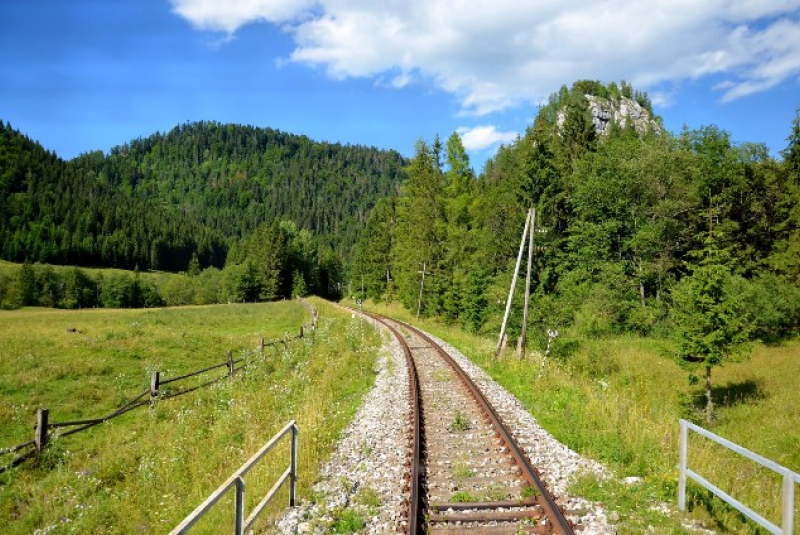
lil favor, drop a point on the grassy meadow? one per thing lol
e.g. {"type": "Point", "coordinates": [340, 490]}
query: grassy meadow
{"type": "Point", "coordinates": [618, 400]}
{"type": "Point", "coordinates": [144, 471]}
{"type": "Point", "coordinates": [158, 278]}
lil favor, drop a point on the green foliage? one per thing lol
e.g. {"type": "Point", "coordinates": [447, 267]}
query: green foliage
{"type": "Point", "coordinates": [712, 319]}
{"type": "Point", "coordinates": [791, 154]}
{"type": "Point", "coordinates": [623, 213]}
{"type": "Point", "coordinates": [348, 521]}
{"type": "Point", "coordinates": [773, 305]}
{"type": "Point", "coordinates": [419, 233]}
{"type": "Point", "coordinates": [462, 496]}
{"type": "Point", "coordinates": [298, 285]}
{"type": "Point", "coordinates": [53, 211]}
{"type": "Point", "coordinates": [177, 201]}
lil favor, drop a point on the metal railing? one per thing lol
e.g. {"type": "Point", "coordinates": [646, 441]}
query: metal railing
{"type": "Point", "coordinates": [242, 524]}
{"type": "Point", "coordinates": [789, 480]}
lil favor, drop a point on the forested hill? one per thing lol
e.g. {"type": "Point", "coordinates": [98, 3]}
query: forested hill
{"type": "Point", "coordinates": [53, 212]}
{"type": "Point", "coordinates": [233, 178]}
{"type": "Point", "coordinates": [198, 189]}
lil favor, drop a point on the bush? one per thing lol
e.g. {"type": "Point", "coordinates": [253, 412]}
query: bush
{"type": "Point", "coordinates": [773, 305]}
{"type": "Point", "coordinates": [117, 292]}
{"type": "Point", "coordinates": [178, 291]}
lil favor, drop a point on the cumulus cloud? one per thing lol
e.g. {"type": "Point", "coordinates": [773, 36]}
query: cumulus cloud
{"type": "Point", "coordinates": [483, 137]}
{"type": "Point", "coordinates": [217, 15]}
{"type": "Point", "coordinates": [494, 54]}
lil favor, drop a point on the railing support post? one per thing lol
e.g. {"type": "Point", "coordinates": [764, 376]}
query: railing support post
{"type": "Point", "coordinates": [682, 469]}
{"type": "Point", "coordinates": [230, 363]}
{"type": "Point", "coordinates": [41, 429]}
{"type": "Point", "coordinates": [155, 380]}
{"type": "Point", "coordinates": [787, 520]}
{"type": "Point", "coordinates": [238, 528]}
{"type": "Point", "coordinates": [293, 466]}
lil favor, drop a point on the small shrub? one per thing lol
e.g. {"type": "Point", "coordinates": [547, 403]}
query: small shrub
{"type": "Point", "coordinates": [348, 521]}
{"type": "Point", "coordinates": [460, 423]}
{"type": "Point", "coordinates": [463, 496]}
{"type": "Point", "coordinates": [367, 496]}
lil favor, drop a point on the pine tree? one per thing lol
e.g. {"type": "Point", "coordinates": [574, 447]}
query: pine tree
{"type": "Point", "coordinates": [791, 154]}
{"type": "Point", "coordinates": [711, 318]}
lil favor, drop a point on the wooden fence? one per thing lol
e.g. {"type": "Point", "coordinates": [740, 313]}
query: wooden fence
{"type": "Point", "coordinates": [43, 426]}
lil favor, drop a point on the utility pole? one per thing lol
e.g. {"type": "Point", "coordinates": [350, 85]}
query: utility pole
{"type": "Point", "coordinates": [421, 284]}
{"type": "Point", "coordinates": [522, 337]}
{"type": "Point", "coordinates": [501, 342]}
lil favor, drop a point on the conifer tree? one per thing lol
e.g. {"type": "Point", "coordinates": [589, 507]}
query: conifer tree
{"type": "Point", "coordinates": [711, 318]}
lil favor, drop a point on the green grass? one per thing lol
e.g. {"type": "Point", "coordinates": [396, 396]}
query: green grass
{"type": "Point", "coordinates": [618, 400]}
{"type": "Point", "coordinates": [144, 471]}
{"type": "Point", "coordinates": [348, 521]}
{"type": "Point", "coordinates": [156, 277]}
{"type": "Point", "coordinates": [87, 374]}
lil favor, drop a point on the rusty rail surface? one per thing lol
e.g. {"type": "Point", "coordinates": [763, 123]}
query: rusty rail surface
{"type": "Point", "coordinates": [414, 518]}
{"type": "Point", "coordinates": [554, 522]}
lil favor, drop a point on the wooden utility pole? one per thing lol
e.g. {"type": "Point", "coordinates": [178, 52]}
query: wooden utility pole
{"type": "Point", "coordinates": [421, 284]}
{"type": "Point", "coordinates": [522, 337]}
{"type": "Point", "coordinates": [501, 342]}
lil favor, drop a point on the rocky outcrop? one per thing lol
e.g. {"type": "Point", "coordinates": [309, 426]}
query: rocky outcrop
{"type": "Point", "coordinates": [624, 112]}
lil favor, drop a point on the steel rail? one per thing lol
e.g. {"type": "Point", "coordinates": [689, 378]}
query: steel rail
{"type": "Point", "coordinates": [414, 518]}
{"type": "Point", "coordinates": [529, 473]}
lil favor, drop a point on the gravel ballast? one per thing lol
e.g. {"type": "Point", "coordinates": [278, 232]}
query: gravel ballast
{"type": "Point", "coordinates": [367, 471]}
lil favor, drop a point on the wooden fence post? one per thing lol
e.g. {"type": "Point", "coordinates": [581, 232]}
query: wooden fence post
{"type": "Point", "coordinates": [301, 331]}
{"type": "Point", "coordinates": [41, 429]}
{"type": "Point", "coordinates": [155, 380]}
{"type": "Point", "coordinates": [261, 347]}
{"type": "Point", "coordinates": [230, 363]}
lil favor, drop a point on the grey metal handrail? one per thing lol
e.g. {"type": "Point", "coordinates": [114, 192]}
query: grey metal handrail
{"type": "Point", "coordinates": [789, 480]}
{"type": "Point", "coordinates": [242, 524]}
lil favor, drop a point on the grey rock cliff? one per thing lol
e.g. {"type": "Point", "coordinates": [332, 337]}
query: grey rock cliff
{"type": "Point", "coordinates": [624, 111]}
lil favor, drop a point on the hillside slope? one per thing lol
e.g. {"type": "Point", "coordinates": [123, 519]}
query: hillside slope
{"type": "Point", "coordinates": [197, 189]}
{"type": "Point", "coordinates": [233, 178]}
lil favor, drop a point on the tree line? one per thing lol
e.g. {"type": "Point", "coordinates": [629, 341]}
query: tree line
{"type": "Point", "coordinates": [276, 262]}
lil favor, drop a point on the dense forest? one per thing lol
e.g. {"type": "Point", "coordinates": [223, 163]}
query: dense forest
{"type": "Point", "coordinates": [633, 218]}
{"type": "Point", "coordinates": [51, 212]}
{"type": "Point", "coordinates": [204, 193]}
{"type": "Point", "coordinates": [232, 178]}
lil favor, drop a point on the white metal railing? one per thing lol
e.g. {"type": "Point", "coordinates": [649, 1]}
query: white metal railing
{"type": "Point", "coordinates": [789, 480]}
{"type": "Point", "coordinates": [242, 524]}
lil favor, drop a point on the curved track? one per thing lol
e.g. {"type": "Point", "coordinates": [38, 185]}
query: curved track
{"type": "Point", "coordinates": [468, 474]}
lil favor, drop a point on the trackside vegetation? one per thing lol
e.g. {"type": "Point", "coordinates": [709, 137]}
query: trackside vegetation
{"type": "Point", "coordinates": [144, 471]}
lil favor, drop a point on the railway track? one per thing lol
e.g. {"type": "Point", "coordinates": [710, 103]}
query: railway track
{"type": "Point", "coordinates": [468, 474]}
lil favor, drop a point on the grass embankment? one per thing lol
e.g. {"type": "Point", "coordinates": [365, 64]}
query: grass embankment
{"type": "Point", "coordinates": [618, 400]}
{"type": "Point", "coordinates": [144, 471]}
{"type": "Point", "coordinates": [158, 278]}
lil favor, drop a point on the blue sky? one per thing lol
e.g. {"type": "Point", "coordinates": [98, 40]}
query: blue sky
{"type": "Point", "coordinates": [84, 75]}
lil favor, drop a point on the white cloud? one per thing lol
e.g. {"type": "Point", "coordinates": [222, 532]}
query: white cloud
{"type": "Point", "coordinates": [225, 16]}
{"type": "Point", "coordinates": [494, 54]}
{"type": "Point", "coordinates": [483, 137]}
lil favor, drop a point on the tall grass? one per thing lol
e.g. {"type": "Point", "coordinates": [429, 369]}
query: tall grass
{"type": "Point", "coordinates": [146, 470]}
{"type": "Point", "coordinates": [618, 400]}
